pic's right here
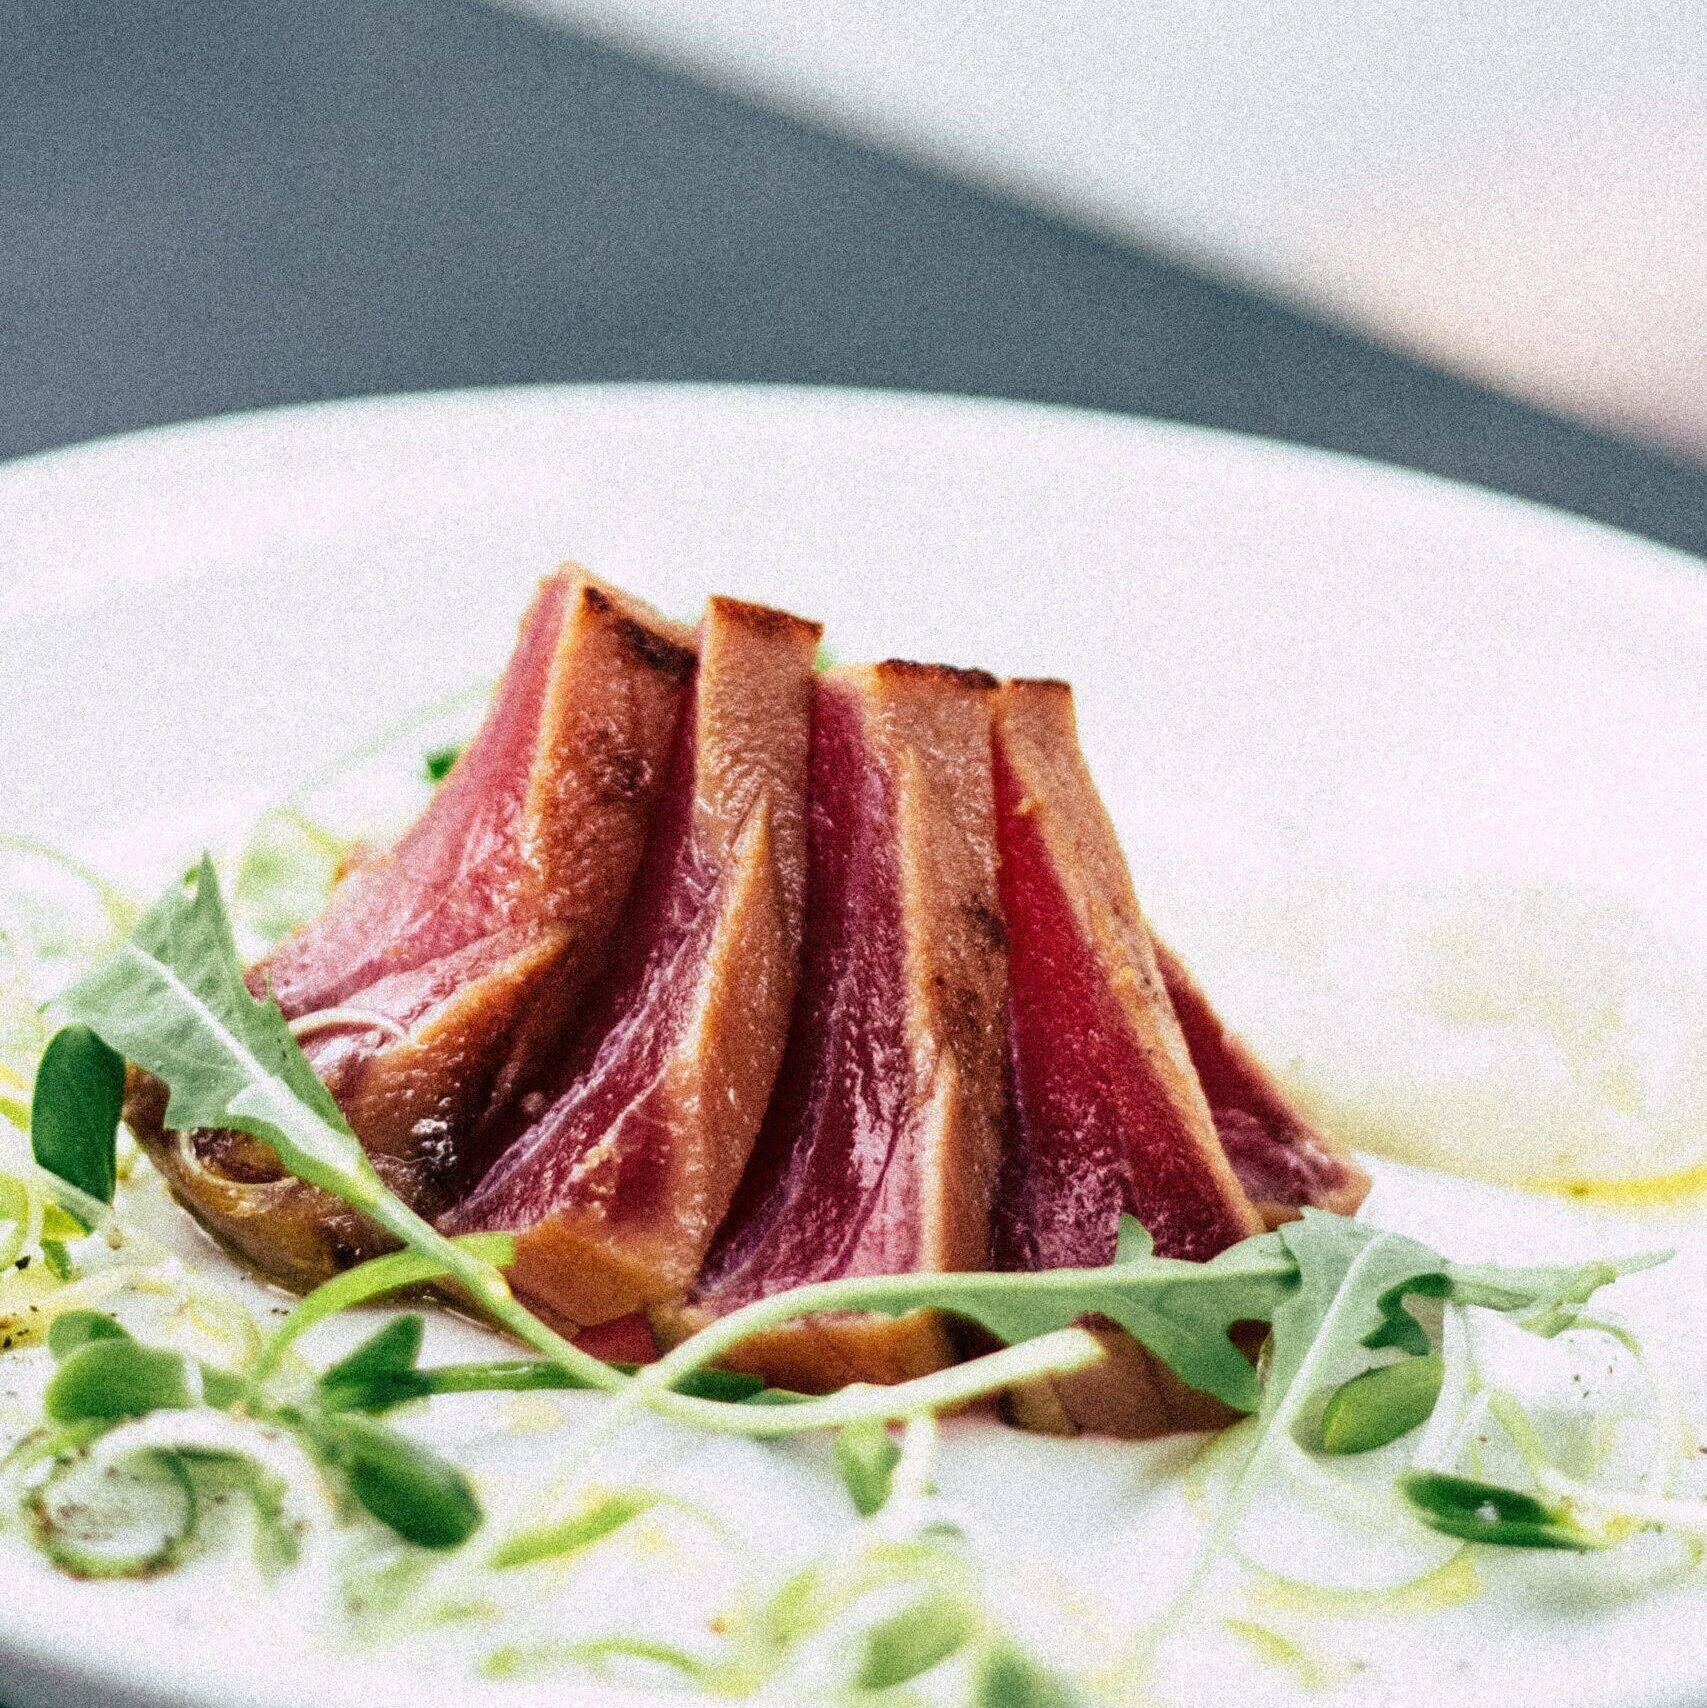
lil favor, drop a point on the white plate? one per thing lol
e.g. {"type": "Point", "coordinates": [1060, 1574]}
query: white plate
{"type": "Point", "coordinates": [1294, 670]}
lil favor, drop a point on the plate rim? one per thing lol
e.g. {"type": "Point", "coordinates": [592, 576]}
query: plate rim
{"type": "Point", "coordinates": [1668, 570]}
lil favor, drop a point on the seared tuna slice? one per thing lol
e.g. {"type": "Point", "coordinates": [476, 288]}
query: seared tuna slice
{"type": "Point", "coordinates": [879, 1151]}
{"type": "Point", "coordinates": [443, 967]}
{"type": "Point", "coordinates": [1108, 1116]}
{"type": "Point", "coordinates": [626, 1154]}
{"type": "Point", "coordinates": [1282, 1161]}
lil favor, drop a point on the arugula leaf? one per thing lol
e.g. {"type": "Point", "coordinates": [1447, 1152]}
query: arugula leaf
{"type": "Point", "coordinates": [1382, 1404]}
{"type": "Point", "coordinates": [865, 1456]}
{"type": "Point", "coordinates": [75, 1109]}
{"type": "Point", "coordinates": [1351, 1287]}
{"type": "Point", "coordinates": [1486, 1512]}
{"type": "Point", "coordinates": [172, 999]}
{"type": "Point", "coordinates": [1182, 1311]}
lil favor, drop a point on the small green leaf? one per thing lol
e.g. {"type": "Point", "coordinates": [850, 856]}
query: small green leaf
{"type": "Point", "coordinates": [111, 1378]}
{"type": "Point", "coordinates": [572, 1535]}
{"type": "Point", "coordinates": [59, 1224]}
{"type": "Point", "coordinates": [424, 1498]}
{"type": "Point", "coordinates": [1382, 1404]}
{"type": "Point", "coordinates": [1133, 1243]}
{"type": "Point", "coordinates": [437, 764]}
{"type": "Point", "coordinates": [1501, 1517]}
{"type": "Point", "coordinates": [865, 1455]}
{"type": "Point", "coordinates": [378, 1365]}
{"type": "Point", "coordinates": [75, 1110]}
{"type": "Point", "coordinates": [1006, 1678]}
{"type": "Point", "coordinates": [173, 1000]}
{"type": "Point", "coordinates": [74, 1330]}
{"type": "Point", "coordinates": [911, 1642]}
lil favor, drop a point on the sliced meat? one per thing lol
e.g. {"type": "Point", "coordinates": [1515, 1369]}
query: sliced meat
{"type": "Point", "coordinates": [1283, 1162]}
{"type": "Point", "coordinates": [879, 1151]}
{"type": "Point", "coordinates": [622, 1161]}
{"type": "Point", "coordinates": [1108, 1116]}
{"type": "Point", "coordinates": [469, 944]}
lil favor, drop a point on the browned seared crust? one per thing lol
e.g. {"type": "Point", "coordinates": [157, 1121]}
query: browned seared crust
{"type": "Point", "coordinates": [1344, 1184]}
{"type": "Point", "coordinates": [605, 730]}
{"type": "Point", "coordinates": [935, 724]}
{"type": "Point", "coordinates": [928, 727]}
{"type": "Point", "coordinates": [822, 1354]}
{"type": "Point", "coordinates": [1129, 1394]}
{"type": "Point", "coordinates": [752, 710]}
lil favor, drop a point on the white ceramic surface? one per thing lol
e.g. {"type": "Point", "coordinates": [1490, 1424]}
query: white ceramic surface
{"type": "Point", "coordinates": [1291, 668]}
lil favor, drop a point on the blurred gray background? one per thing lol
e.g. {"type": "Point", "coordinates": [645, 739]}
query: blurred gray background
{"type": "Point", "coordinates": [1465, 239]}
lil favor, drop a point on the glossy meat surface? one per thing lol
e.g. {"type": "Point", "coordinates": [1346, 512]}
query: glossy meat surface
{"type": "Point", "coordinates": [830, 1190]}
{"type": "Point", "coordinates": [1107, 1118]}
{"type": "Point", "coordinates": [619, 1165]}
{"type": "Point", "coordinates": [879, 1150]}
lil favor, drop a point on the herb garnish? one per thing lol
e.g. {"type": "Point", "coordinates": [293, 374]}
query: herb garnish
{"type": "Point", "coordinates": [74, 1111]}
{"type": "Point", "coordinates": [106, 1377]}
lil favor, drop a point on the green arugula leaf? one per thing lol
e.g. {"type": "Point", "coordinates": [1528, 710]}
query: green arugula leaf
{"type": "Point", "coordinates": [865, 1456]}
{"type": "Point", "coordinates": [1545, 1300]}
{"type": "Point", "coordinates": [1501, 1517]}
{"type": "Point", "coordinates": [1350, 1292]}
{"type": "Point", "coordinates": [1382, 1404]}
{"type": "Point", "coordinates": [172, 999]}
{"type": "Point", "coordinates": [1182, 1311]}
{"type": "Point", "coordinates": [75, 1109]}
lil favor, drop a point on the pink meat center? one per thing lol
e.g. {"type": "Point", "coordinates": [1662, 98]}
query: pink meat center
{"type": "Point", "coordinates": [460, 872]}
{"type": "Point", "coordinates": [1091, 1134]}
{"type": "Point", "coordinates": [832, 1188]}
{"type": "Point", "coordinates": [589, 1132]}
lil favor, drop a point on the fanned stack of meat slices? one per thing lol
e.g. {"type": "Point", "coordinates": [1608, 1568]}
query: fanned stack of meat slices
{"type": "Point", "coordinates": [707, 976]}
